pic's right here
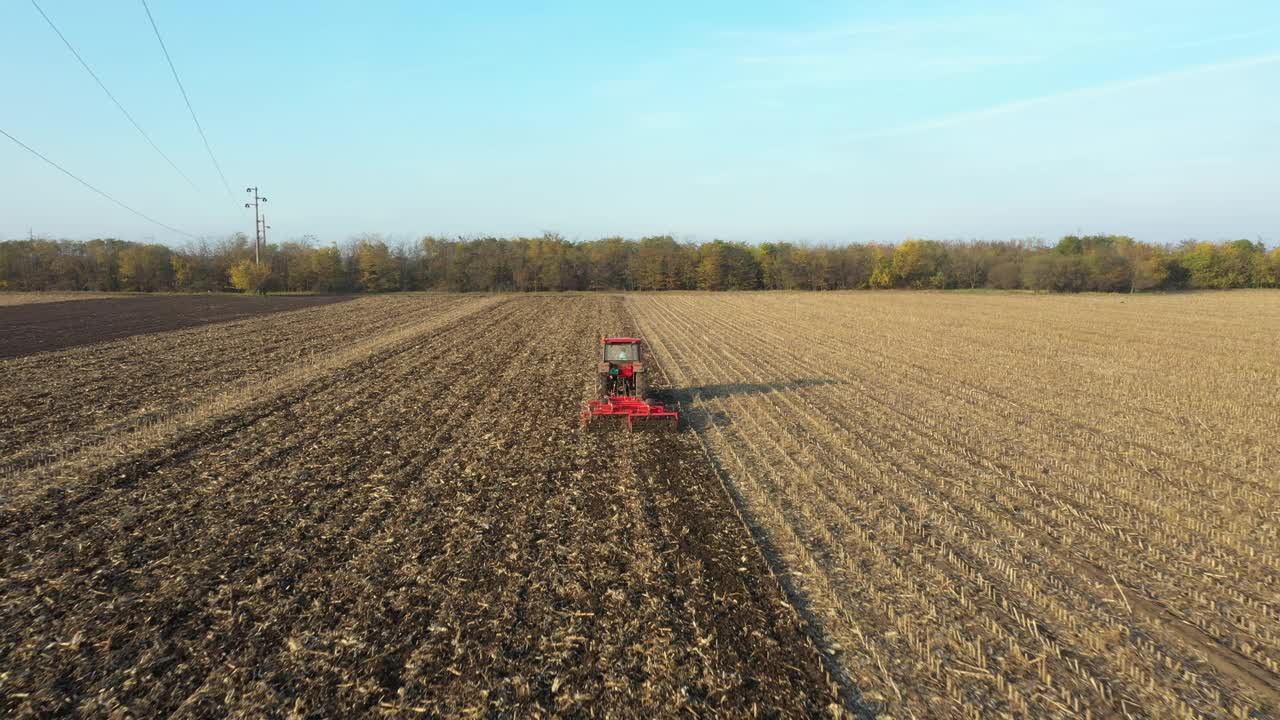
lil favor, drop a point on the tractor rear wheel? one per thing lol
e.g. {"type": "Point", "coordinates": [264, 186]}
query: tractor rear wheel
{"type": "Point", "coordinates": [642, 387]}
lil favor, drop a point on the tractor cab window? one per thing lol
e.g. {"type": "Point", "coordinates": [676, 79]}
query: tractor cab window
{"type": "Point", "coordinates": [620, 353]}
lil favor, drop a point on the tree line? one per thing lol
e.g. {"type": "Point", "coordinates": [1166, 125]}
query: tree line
{"type": "Point", "coordinates": [1104, 263]}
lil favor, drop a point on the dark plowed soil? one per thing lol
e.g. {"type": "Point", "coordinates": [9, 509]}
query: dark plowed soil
{"type": "Point", "coordinates": [425, 532]}
{"type": "Point", "coordinates": [27, 329]}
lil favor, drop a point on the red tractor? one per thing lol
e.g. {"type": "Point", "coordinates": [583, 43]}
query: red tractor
{"type": "Point", "coordinates": [621, 378]}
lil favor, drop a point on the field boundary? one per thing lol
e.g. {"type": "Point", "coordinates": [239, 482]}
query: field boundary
{"type": "Point", "coordinates": [843, 686]}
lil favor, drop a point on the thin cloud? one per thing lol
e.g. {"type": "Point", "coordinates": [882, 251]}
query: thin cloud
{"type": "Point", "coordinates": [859, 52]}
{"type": "Point", "coordinates": [954, 119]}
{"type": "Point", "coordinates": [851, 59]}
{"type": "Point", "coordinates": [864, 28]}
{"type": "Point", "coordinates": [1219, 39]}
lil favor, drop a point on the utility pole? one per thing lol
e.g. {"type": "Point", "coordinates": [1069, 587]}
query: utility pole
{"type": "Point", "coordinates": [265, 228]}
{"type": "Point", "coordinates": [258, 232]}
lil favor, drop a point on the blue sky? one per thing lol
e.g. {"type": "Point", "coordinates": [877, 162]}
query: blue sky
{"type": "Point", "coordinates": [818, 122]}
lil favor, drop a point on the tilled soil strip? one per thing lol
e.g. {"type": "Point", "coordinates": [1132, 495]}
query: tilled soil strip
{"type": "Point", "coordinates": [135, 432]}
{"type": "Point", "coordinates": [59, 403]}
{"type": "Point", "coordinates": [32, 328]}
{"type": "Point", "coordinates": [425, 532]}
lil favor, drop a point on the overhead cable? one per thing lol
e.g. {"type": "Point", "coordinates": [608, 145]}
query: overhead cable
{"type": "Point", "coordinates": [187, 100]}
{"type": "Point", "coordinates": [75, 177]}
{"type": "Point", "coordinates": [102, 85]}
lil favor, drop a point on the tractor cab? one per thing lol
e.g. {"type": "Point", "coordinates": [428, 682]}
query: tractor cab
{"type": "Point", "coordinates": [621, 371]}
{"type": "Point", "coordinates": [621, 351]}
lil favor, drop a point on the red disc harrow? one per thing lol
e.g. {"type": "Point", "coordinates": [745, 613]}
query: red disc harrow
{"type": "Point", "coordinates": [634, 413]}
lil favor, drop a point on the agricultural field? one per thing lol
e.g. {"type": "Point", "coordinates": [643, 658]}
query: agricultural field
{"type": "Point", "coordinates": [378, 507]}
{"type": "Point", "coordinates": [1008, 505]}
{"type": "Point", "coordinates": [880, 504]}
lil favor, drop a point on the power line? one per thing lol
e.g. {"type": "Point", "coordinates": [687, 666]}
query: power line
{"type": "Point", "coordinates": [69, 174]}
{"type": "Point", "coordinates": [98, 80]}
{"type": "Point", "coordinates": [185, 99]}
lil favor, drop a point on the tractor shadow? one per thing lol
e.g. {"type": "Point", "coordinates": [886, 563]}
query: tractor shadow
{"type": "Point", "coordinates": [700, 418]}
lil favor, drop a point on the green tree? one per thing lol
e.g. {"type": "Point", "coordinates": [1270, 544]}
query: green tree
{"type": "Point", "coordinates": [1106, 271]}
{"type": "Point", "coordinates": [969, 263]}
{"type": "Point", "coordinates": [376, 271]}
{"type": "Point", "coordinates": [772, 259]}
{"type": "Point", "coordinates": [660, 263]}
{"type": "Point", "coordinates": [100, 256]}
{"type": "Point", "coordinates": [326, 266]}
{"type": "Point", "coordinates": [438, 264]}
{"type": "Point", "coordinates": [1054, 272]}
{"type": "Point", "coordinates": [1148, 265]}
{"type": "Point", "coordinates": [250, 277]}
{"type": "Point", "coordinates": [1112, 263]}
{"type": "Point", "coordinates": [727, 266]}
{"type": "Point", "coordinates": [1239, 263]}
{"type": "Point", "coordinates": [549, 263]}
{"type": "Point", "coordinates": [183, 271]}
{"type": "Point", "coordinates": [295, 265]}
{"type": "Point", "coordinates": [711, 267]}
{"type": "Point", "coordinates": [606, 263]}
{"type": "Point", "coordinates": [1005, 275]}
{"type": "Point", "coordinates": [854, 265]}
{"type": "Point", "coordinates": [146, 268]}
{"type": "Point", "coordinates": [918, 264]}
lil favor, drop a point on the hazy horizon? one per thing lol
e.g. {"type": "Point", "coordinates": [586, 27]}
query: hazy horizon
{"type": "Point", "coordinates": [735, 121]}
